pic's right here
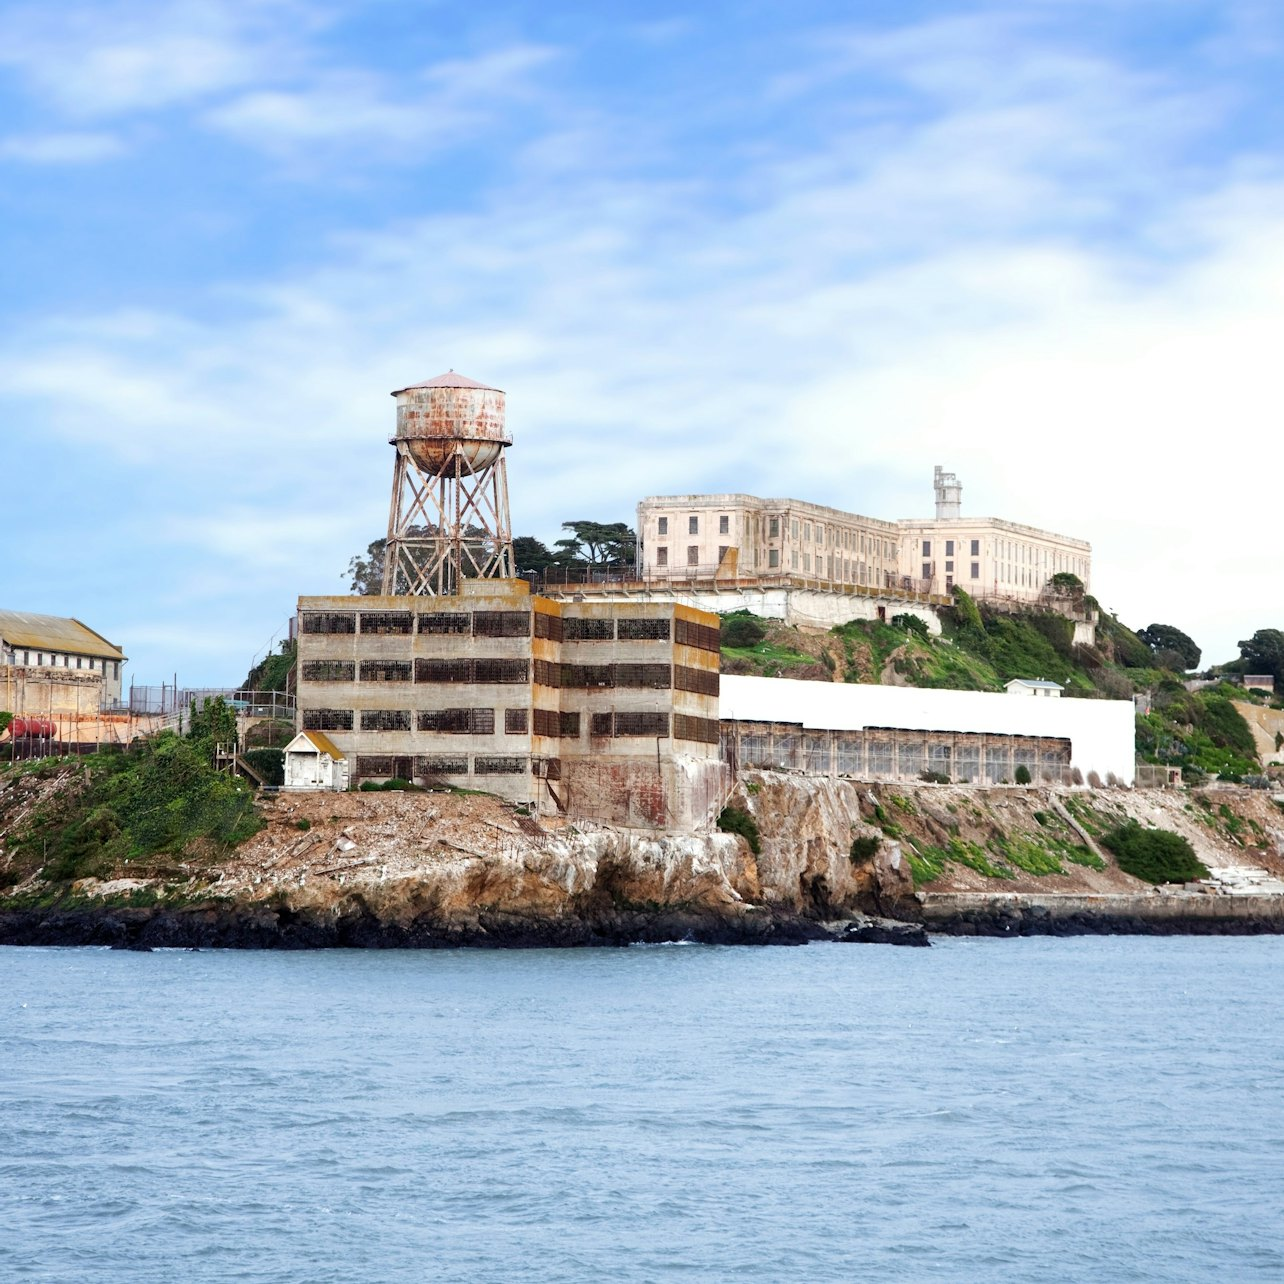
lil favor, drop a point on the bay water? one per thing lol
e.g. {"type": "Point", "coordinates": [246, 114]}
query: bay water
{"type": "Point", "coordinates": [1093, 1109]}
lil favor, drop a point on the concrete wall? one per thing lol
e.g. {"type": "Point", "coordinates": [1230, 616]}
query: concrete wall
{"type": "Point", "coordinates": [1101, 732]}
{"type": "Point", "coordinates": [59, 693]}
{"type": "Point", "coordinates": [1154, 907]}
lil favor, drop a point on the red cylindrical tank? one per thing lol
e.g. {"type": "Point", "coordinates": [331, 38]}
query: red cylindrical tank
{"type": "Point", "coordinates": [31, 728]}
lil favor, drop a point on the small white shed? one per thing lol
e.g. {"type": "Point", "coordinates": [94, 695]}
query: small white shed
{"type": "Point", "coordinates": [313, 761]}
{"type": "Point", "coordinates": [1034, 687]}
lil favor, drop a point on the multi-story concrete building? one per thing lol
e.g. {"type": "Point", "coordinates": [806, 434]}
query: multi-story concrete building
{"type": "Point", "coordinates": [53, 665]}
{"type": "Point", "coordinates": [684, 538]}
{"type": "Point", "coordinates": [600, 709]}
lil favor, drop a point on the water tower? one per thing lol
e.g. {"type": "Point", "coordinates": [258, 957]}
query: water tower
{"type": "Point", "coordinates": [449, 516]}
{"type": "Point", "coordinates": [949, 494]}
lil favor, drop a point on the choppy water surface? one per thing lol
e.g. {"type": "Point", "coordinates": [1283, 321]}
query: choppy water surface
{"type": "Point", "coordinates": [1103, 1110]}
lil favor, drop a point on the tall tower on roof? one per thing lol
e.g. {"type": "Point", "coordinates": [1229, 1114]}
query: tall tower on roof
{"type": "Point", "coordinates": [448, 520]}
{"type": "Point", "coordinates": [949, 494]}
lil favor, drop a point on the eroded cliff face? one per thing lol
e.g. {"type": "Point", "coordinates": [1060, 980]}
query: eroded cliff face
{"type": "Point", "coordinates": [445, 869]}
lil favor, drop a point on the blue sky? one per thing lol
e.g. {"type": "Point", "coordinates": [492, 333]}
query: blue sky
{"type": "Point", "coordinates": [808, 250]}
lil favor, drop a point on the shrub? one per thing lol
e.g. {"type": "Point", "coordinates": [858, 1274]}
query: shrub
{"type": "Point", "coordinates": [742, 629]}
{"type": "Point", "coordinates": [934, 777]}
{"type": "Point", "coordinates": [735, 820]}
{"type": "Point", "coordinates": [1156, 855]}
{"type": "Point", "coordinates": [305, 824]}
{"type": "Point", "coordinates": [269, 763]}
{"type": "Point", "coordinates": [864, 848]}
{"type": "Point", "coordinates": [911, 623]}
{"type": "Point", "coordinates": [1022, 774]}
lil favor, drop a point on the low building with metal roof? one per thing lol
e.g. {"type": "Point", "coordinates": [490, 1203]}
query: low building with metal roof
{"type": "Point", "coordinates": [54, 642]}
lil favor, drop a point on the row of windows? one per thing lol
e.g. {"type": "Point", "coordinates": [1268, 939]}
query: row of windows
{"type": "Point", "coordinates": [975, 547]}
{"type": "Point", "coordinates": [58, 660]}
{"type": "Point", "coordinates": [482, 624]}
{"type": "Point", "coordinates": [693, 525]}
{"type": "Point", "coordinates": [432, 766]}
{"type": "Point", "coordinates": [547, 722]}
{"type": "Point", "coordinates": [654, 677]}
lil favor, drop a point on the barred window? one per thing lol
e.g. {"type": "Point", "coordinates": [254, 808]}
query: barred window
{"type": "Point", "coordinates": [385, 719]}
{"type": "Point", "coordinates": [641, 724]}
{"type": "Point", "coordinates": [502, 624]}
{"type": "Point", "coordinates": [648, 630]}
{"type": "Point", "coordinates": [443, 622]}
{"type": "Point", "coordinates": [654, 677]}
{"type": "Point", "coordinates": [546, 768]}
{"type": "Point", "coordinates": [588, 675]}
{"type": "Point", "coordinates": [700, 636]}
{"type": "Point", "coordinates": [329, 670]}
{"type": "Point", "coordinates": [327, 720]}
{"type": "Point", "coordinates": [385, 671]}
{"type": "Point", "coordinates": [568, 726]}
{"type": "Point", "coordinates": [502, 671]}
{"type": "Point", "coordinates": [601, 724]}
{"type": "Point", "coordinates": [429, 765]}
{"type": "Point", "coordinates": [499, 766]}
{"type": "Point", "coordinates": [374, 764]}
{"type": "Point", "coordinates": [328, 622]}
{"type": "Point", "coordinates": [588, 630]}
{"type": "Point", "coordinates": [443, 670]}
{"type": "Point", "coordinates": [549, 626]}
{"type": "Point", "coordinates": [458, 722]}
{"type": "Point", "coordinates": [547, 674]}
{"type": "Point", "coordinates": [384, 622]}
{"type": "Point", "coordinates": [547, 723]}
{"type": "Point", "coordinates": [704, 731]}
{"type": "Point", "coordinates": [701, 681]}
{"type": "Point", "coordinates": [516, 721]}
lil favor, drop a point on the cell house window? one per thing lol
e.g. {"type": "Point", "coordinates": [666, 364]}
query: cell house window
{"type": "Point", "coordinates": [329, 671]}
{"type": "Point", "coordinates": [502, 624]}
{"type": "Point", "coordinates": [588, 675]}
{"type": "Point", "coordinates": [502, 671]}
{"type": "Point", "coordinates": [386, 622]}
{"type": "Point", "coordinates": [568, 726]}
{"type": "Point", "coordinates": [386, 671]}
{"type": "Point", "coordinates": [652, 677]}
{"type": "Point", "coordinates": [370, 764]}
{"type": "Point", "coordinates": [648, 630]}
{"type": "Point", "coordinates": [693, 526]}
{"type": "Point", "coordinates": [662, 556]}
{"type": "Point", "coordinates": [773, 528]}
{"type": "Point", "coordinates": [927, 570]}
{"type": "Point", "coordinates": [459, 722]}
{"type": "Point", "coordinates": [600, 724]}
{"type": "Point", "coordinates": [499, 766]}
{"type": "Point", "coordinates": [450, 622]}
{"type": "Point", "coordinates": [722, 553]}
{"type": "Point", "coordinates": [327, 720]}
{"type": "Point", "coordinates": [641, 724]}
{"type": "Point", "coordinates": [773, 558]}
{"type": "Point", "coordinates": [548, 674]}
{"type": "Point", "coordinates": [328, 622]}
{"type": "Point", "coordinates": [546, 723]}
{"type": "Point", "coordinates": [976, 548]}
{"type": "Point", "coordinates": [700, 681]}
{"type": "Point", "coordinates": [976, 570]}
{"type": "Point", "coordinates": [549, 627]}
{"type": "Point", "coordinates": [443, 670]}
{"type": "Point", "coordinates": [516, 722]}
{"type": "Point", "coordinates": [429, 765]}
{"type": "Point", "coordinates": [724, 525]}
{"type": "Point", "coordinates": [693, 554]}
{"type": "Point", "coordinates": [949, 566]}
{"type": "Point", "coordinates": [662, 526]}
{"type": "Point", "coordinates": [589, 630]}
{"type": "Point", "coordinates": [700, 636]}
{"type": "Point", "coordinates": [385, 719]}
{"type": "Point", "coordinates": [698, 730]}
{"type": "Point", "coordinates": [949, 548]}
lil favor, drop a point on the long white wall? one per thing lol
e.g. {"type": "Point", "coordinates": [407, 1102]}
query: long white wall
{"type": "Point", "coordinates": [1101, 732]}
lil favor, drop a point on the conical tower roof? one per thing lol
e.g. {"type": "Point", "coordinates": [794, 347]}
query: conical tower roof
{"type": "Point", "coordinates": [449, 380]}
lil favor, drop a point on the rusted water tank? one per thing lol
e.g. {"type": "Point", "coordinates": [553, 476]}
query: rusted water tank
{"type": "Point", "coordinates": [24, 728]}
{"type": "Point", "coordinates": [451, 422]}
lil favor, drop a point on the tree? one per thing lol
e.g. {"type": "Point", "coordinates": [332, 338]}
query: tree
{"type": "Point", "coordinates": [1169, 642]}
{"type": "Point", "coordinates": [531, 554]}
{"type": "Point", "coordinates": [214, 722]}
{"type": "Point", "coordinates": [742, 629]}
{"type": "Point", "coordinates": [1067, 584]}
{"type": "Point", "coordinates": [597, 544]}
{"type": "Point", "coordinates": [1264, 653]}
{"type": "Point", "coordinates": [366, 573]}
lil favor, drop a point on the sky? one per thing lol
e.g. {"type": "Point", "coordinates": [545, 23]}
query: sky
{"type": "Point", "coordinates": [806, 250]}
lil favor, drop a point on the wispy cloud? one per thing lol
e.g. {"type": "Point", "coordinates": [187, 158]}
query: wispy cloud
{"type": "Point", "coordinates": [71, 148]}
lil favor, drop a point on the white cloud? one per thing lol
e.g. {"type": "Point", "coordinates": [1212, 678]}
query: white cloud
{"type": "Point", "coordinates": [71, 148]}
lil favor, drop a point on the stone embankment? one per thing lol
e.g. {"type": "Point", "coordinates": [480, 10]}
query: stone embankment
{"type": "Point", "coordinates": [837, 860]}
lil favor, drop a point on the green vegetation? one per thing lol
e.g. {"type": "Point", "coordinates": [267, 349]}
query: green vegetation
{"type": "Point", "coordinates": [1156, 855]}
{"type": "Point", "coordinates": [735, 820]}
{"type": "Point", "coordinates": [305, 824]}
{"type": "Point", "coordinates": [161, 796]}
{"type": "Point", "coordinates": [272, 673]}
{"type": "Point", "coordinates": [7, 718]}
{"type": "Point", "coordinates": [864, 848]}
{"type": "Point", "coordinates": [759, 646]}
{"type": "Point", "coordinates": [1022, 774]}
{"type": "Point", "coordinates": [269, 763]}
{"type": "Point", "coordinates": [742, 629]}
{"type": "Point", "coordinates": [397, 785]}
